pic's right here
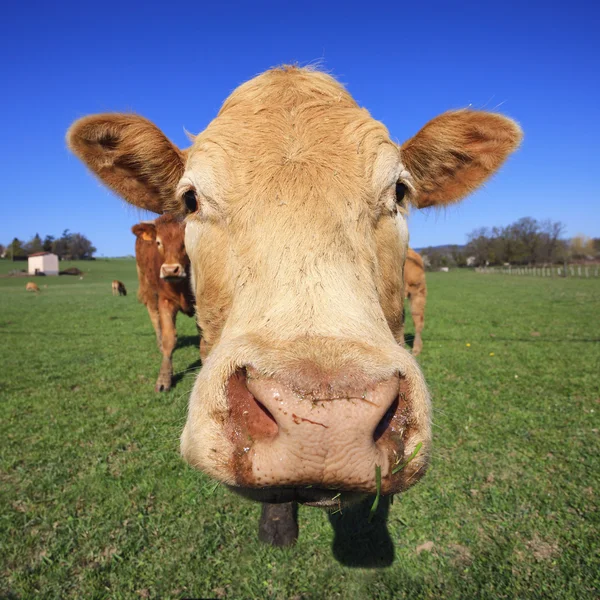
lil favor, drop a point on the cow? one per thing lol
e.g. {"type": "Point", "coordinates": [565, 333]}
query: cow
{"type": "Point", "coordinates": [295, 201]}
{"type": "Point", "coordinates": [118, 288]}
{"type": "Point", "coordinates": [32, 287]}
{"type": "Point", "coordinates": [163, 269]}
{"type": "Point", "coordinates": [415, 289]}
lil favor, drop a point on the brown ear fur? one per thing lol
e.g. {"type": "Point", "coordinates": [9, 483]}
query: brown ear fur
{"type": "Point", "coordinates": [456, 152]}
{"type": "Point", "coordinates": [147, 231]}
{"type": "Point", "coordinates": [131, 155]}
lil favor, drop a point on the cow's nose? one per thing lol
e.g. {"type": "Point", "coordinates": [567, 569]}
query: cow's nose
{"type": "Point", "coordinates": [329, 437]}
{"type": "Point", "coordinates": [171, 270]}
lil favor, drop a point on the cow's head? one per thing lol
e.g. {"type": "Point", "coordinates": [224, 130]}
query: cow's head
{"type": "Point", "coordinates": [296, 203]}
{"type": "Point", "coordinates": [167, 234]}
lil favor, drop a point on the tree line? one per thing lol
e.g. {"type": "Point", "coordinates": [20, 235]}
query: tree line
{"type": "Point", "coordinates": [524, 242]}
{"type": "Point", "coordinates": [69, 246]}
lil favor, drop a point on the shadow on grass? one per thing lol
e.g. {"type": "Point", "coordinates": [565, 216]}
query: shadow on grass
{"type": "Point", "coordinates": [183, 341]}
{"type": "Point", "coordinates": [409, 340]}
{"type": "Point", "coordinates": [358, 543]}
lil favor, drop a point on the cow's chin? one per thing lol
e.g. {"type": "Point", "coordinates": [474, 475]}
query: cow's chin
{"type": "Point", "coordinates": [308, 496]}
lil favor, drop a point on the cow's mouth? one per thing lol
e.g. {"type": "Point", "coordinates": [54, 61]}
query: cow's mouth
{"type": "Point", "coordinates": [173, 278]}
{"type": "Point", "coordinates": [309, 496]}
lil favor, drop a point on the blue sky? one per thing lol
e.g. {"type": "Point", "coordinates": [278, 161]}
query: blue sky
{"type": "Point", "coordinates": [175, 63]}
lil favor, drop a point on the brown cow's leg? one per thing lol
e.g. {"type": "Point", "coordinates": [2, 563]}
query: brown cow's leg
{"type": "Point", "coordinates": [417, 310]}
{"type": "Point", "coordinates": [278, 524]}
{"type": "Point", "coordinates": [168, 314]}
{"type": "Point", "coordinates": [155, 318]}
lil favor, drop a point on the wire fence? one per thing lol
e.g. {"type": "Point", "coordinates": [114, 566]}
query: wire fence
{"type": "Point", "coordinates": [553, 271]}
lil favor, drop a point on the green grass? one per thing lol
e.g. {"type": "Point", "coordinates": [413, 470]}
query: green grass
{"type": "Point", "coordinates": [96, 503]}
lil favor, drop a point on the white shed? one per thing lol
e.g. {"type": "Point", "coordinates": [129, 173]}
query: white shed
{"type": "Point", "coordinates": [43, 262]}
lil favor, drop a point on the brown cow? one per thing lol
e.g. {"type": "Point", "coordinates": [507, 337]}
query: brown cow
{"type": "Point", "coordinates": [118, 288]}
{"type": "Point", "coordinates": [32, 287]}
{"type": "Point", "coordinates": [296, 202]}
{"type": "Point", "coordinates": [164, 274]}
{"type": "Point", "coordinates": [415, 289]}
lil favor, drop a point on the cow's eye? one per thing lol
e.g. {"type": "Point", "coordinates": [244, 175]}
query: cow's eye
{"type": "Point", "coordinates": [401, 190]}
{"type": "Point", "coordinates": [191, 201]}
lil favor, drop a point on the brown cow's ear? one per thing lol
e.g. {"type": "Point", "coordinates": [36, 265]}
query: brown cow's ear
{"type": "Point", "coordinates": [456, 152]}
{"type": "Point", "coordinates": [131, 156]}
{"type": "Point", "coordinates": [145, 231]}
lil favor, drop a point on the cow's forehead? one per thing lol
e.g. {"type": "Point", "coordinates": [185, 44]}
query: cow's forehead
{"type": "Point", "coordinates": [287, 87]}
{"type": "Point", "coordinates": [291, 127]}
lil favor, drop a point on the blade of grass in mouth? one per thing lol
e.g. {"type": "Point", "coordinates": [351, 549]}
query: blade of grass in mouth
{"type": "Point", "coordinates": [378, 484]}
{"type": "Point", "coordinates": [409, 459]}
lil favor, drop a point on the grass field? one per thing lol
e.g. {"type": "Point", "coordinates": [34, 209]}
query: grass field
{"type": "Point", "coordinates": [96, 503]}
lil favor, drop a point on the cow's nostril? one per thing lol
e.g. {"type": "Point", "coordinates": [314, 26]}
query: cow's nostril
{"type": "Point", "coordinates": [250, 417]}
{"type": "Point", "coordinates": [386, 421]}
{"type": "Point", "coordinates": [266, 411]}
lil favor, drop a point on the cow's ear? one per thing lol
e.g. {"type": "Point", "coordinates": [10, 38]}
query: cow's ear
{"type": "Point", "coordinates": [456, 152]}
{"type": "Point", "coordinates": [145, 231]}
{"type": "Point", "coordinates": [131, 156]}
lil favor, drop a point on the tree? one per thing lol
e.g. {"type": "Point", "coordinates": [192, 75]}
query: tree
{"type": "Point", "coordinates": [527, 232]}
{"type": "Point", "coordinates": [479, 245]}
{"type": "Point", "coordinates": [526, 241]}
{"type": "Point", "coordinates": [60, 246]}
{"type": "Point", "coordinates": [2, 250]}
{"type": "Point", "coordinates": [47, 243]}
{"type": "Point", "coordinates": [458, 256]}
{"type": "Point", "coordinates": [582, 246]}
{"type": "Point", "coordinates": [551, 242]}
{"type": "Point", "coordinates": [15, 249]}
{"type": "Point", "coordinates": [80, 248]}
{"type": "Point", "coordinates": [34, 245]}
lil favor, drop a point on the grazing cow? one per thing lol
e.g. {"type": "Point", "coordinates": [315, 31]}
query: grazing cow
{"type": "Point", "coordinates": [31, 287]}
{"type": "Point", "coordinates": [296, 202]}
{"type": "Point", "coordinates": [415, 289]}
{"type": "Point", "coordinates": [118, 288]}
{"type": "Point", "coordinates": [164, 274]}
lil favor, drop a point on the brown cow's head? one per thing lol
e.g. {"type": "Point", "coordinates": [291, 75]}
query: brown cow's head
{"type": "Point", "coordinates": [296, 230]}
{"type": "Point", "coordinates": [167, 234]}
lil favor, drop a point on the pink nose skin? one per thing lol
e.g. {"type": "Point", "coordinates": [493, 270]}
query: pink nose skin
{"type": "Point", "coordinates": [333, 439]}
{"type": "Point", "coordinates": [174, 270]}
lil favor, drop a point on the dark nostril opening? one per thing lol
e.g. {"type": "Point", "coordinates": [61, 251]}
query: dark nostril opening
{"type": "Point", "coordinates": [265, 410]}
{"type": "Point", "coordinates": [386, 421]}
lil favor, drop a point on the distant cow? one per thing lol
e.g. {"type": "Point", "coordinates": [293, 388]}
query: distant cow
{"type": "Point", "coordinates": [118, 288]}
{"type": "Point", "coordinates": [415, 289]}
{"type": "Point", "coordinates": [31, 287]}
{"type": "Point", "coordinates": [164, 273]}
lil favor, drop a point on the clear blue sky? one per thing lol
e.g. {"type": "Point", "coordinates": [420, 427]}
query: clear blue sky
{"type": "Point", "coordinates": [175, 63]}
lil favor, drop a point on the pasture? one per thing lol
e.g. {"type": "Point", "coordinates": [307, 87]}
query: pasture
{"type": "Point", "coordinates": [96, 503]}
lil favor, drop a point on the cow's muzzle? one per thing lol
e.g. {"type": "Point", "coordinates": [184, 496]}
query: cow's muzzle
{"type": "Point", "coordinates": [331, 438]}
{"type": "Point", "coordinates": [172, 271]}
